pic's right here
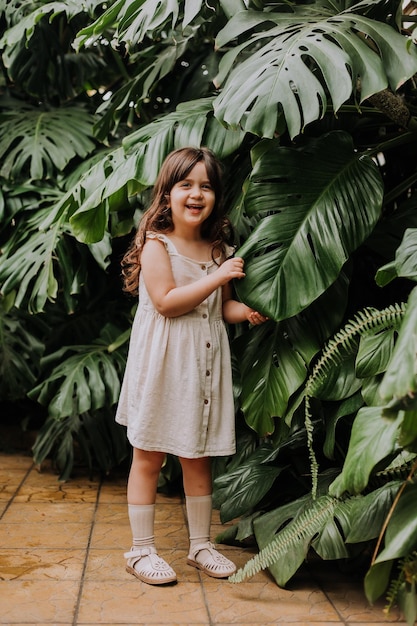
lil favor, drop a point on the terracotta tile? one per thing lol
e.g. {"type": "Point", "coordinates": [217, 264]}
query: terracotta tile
{"type": "Point", "coordinates": [45, 535]}
{"type": "Point", "coordinates": [15, 461]}
{"type": "Point", "coordinates": [263, 603]}
{"type": "Point", "coordinates": [351, 604]}
{"type": "Point", "coordinates": [10, 481]}
{"type": "Point", "coordinates": [38, 601]}
{"type": "Point", "coordinates": [41, 564]}
{"type": "Point", "coordinates": [40, 511]}
{"type": "Point", "coordinates": [111, 513]}
{"type": "Point", "coordinates": [372, 623]}
{"type": "Point", "coordinates": [113, 493]}
{"type": "Point", "coordinates": [111, 537]}
{"type": "Point", "coordinates": [135, 602]}
{"type": "Point", "coordinates": [46, 487]}
{"type": "Point", "coordinates": [345, 591]}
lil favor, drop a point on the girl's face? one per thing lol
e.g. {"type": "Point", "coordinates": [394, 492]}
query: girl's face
{"type": "Point", "coordinates": [192, 199]}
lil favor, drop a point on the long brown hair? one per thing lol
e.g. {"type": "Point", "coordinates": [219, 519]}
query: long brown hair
{"type": "Point", "coordinates": [216, 229]}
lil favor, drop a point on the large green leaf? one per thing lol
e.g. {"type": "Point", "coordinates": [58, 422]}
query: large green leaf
{"type": "Point", "coordinates": [266, 527]}
{"type": "Point", "coordinates": [318, 203]}
{"type": "Point", "coordinates": [369, 513]}
{"type": "Point", "coordinates": [271, 372]}
{"type": "Point", "coordinates": [239, 490]}
{"type": "Point", "coordinates": [296, 63]}
{"type": "Point", "coordinates": [39, 143]}
{"type": "Point", "coordinates": [285, 535]}
{"type": "Point", "coordinates": [373, 439]}
{"type": "Point", "coordinates": [20, 352]}
{"type": "Point", "coordinates": [374, 353]}
{"type": "Point", "coordinates": [39, 259]}
{"type": "Point", "coordinates": [26, 15]}
{"type": "Point", "coordinates": [136, 19]}
{"type": "Point", "coordinates": [405, 263]}
{"type": "Point", "coordinates": [401, 533]}
{"type": "Point", "coordinates": [87, 380]}
{"type": "Point", "coordinates": [399, 385]}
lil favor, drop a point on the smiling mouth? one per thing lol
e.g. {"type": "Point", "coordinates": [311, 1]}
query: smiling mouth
{"type": "Point", "coordinates": [195, 207]}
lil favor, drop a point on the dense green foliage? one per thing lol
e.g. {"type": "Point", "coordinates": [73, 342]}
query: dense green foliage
{"type": "Point", "coordinates": [311, 107]}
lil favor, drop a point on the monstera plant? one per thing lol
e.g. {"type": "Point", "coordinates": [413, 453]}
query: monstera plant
{"type": "Point", "coordinates": [311, 107]}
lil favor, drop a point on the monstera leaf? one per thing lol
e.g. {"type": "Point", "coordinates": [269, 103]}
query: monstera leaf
{"type": "Point", "coordinates": [88, 379]}
{"type": "Point", "coordinates": [39, 143]}
{"type": "Point", "coordinates": [317, 204]}
{"type": "Point", "coordinates": [138, 18]}
{"type": "Point", "coordinates": [302, 63]}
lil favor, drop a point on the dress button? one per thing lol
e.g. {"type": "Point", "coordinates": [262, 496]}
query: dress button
{"type": "Point", "coordinates": [207, 372]}
{"type": "Point", "coordinates": [208, 345]}
{"type": "Point", "coordinates": [204, 316]}
{"type": "Point", "coordinates": [203, 267]}
{"type": "Point", "coordinates": [206, 401]}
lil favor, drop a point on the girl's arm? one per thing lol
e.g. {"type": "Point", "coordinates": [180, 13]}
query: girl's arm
{"type": "Point", "coordinates": [170, 300]}
{"type": "Point", "coordinates": [235, 312]}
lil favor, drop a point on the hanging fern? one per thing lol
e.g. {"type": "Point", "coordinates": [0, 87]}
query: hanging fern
{"type": "Point", "coordinates": [306, 526]}
{"type": "Point", "coordinates": [407, 574]}
{"type": "Point", "coordinates": [398, 469]}
{"type": "Point", "coordinates": [340, 347]}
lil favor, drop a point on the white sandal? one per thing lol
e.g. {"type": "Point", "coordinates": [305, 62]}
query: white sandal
{"type": "Point", "coordinates": [210, 561]}
{"type": "Point", "coordinates": [153, 570]}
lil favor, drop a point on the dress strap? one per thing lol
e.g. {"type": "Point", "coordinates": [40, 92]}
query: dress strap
{"type": "Point", "coordinates": [169, 246]}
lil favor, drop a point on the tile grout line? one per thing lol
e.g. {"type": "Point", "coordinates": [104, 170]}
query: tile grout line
{"type": "Point", "coordinates": [87, 555]}
{"type": "Point", "coordinates": [10, 502]}
{"type": "Point", "coordinates": [329, 600]}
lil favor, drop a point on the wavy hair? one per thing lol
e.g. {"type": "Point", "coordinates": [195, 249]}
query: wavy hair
{"type": "Point", "coordinates": [216, 229]}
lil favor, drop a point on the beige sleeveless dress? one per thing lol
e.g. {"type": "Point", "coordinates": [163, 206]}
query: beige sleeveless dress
{"type": "Point", "coordinates": [177, 394]}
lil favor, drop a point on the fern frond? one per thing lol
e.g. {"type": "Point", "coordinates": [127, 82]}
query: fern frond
{"type": "Point", "coordinates": [344, 343]}
{"type": "Point", "coordinates": [392, 593]}
{"type": "Point", "coordinates": [398, 469]}
{"type": "Point", "coordinates": [341, 346]}
{"type": "Point", "coordinates": [407, 572]}
{"type": "Point", "coordinates": [305, 526]}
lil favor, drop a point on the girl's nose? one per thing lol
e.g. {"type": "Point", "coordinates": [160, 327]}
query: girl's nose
{"type": "Point", "coordinates": [196, 191]}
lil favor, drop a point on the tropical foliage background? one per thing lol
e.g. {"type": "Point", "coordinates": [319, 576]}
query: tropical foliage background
{"type": "Point", "coordinates": [312, 108]}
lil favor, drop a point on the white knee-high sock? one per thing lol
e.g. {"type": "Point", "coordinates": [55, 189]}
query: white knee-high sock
{"type": "Point", "coordinates": [199, 518]}
{"type": "Point", "coordinates": [142, 518]}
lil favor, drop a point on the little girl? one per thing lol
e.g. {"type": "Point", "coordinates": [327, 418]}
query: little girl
{"type": "Point", "coordinates": [177, 394]}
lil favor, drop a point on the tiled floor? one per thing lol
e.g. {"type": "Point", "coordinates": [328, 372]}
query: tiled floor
{"type": "Point", "coordinates": [61, 562]}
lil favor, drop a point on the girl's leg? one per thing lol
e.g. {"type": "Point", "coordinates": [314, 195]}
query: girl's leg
{"type": "Point", "coordinates": [198, 498]}
{"type": "Point", "coordinates": [143, 476]}
{"type": "Point", "coordinates": [143, 561]}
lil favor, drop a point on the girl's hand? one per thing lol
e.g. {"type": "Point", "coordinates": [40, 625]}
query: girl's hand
{"type": "Point", "coordinates": [232, 268]}
{"type": "Point", "coordinates": [256, 318]}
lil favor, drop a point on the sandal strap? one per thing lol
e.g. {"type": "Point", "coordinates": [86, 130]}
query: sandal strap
{"type": "Point", "coordinates": [153, 569]}
{"type": "Point", "coordinates": [139, 552]}
{"type": "Point", "coordinates": [207, 545]}
{"type": "Point", "coordinates": [214, 564]}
